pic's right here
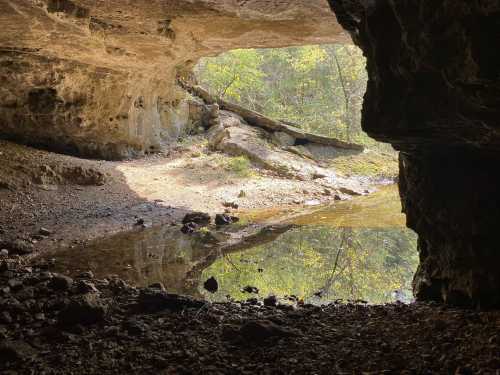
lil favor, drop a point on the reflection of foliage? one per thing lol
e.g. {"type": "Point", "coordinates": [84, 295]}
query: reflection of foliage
{"type": "Point", "coordinates": [338, 262]}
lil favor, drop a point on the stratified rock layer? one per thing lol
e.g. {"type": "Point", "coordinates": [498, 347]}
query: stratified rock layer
{"type": "Point", "coordinates": [434, 93]}
{"type": "Point", "coordinates": [97, 78]}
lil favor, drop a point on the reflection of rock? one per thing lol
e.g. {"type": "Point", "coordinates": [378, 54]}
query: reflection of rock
{"type": "Point", "coordinates": [161, 255]}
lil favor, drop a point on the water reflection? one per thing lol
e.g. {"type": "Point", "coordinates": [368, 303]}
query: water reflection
{"type": "Point", "coordinates": [321, 264]}
{"type": "Point", "coordinates": [353, 250]}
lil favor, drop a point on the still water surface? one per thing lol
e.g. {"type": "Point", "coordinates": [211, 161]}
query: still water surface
{"type": "Point", "coordinates": [358, 249]}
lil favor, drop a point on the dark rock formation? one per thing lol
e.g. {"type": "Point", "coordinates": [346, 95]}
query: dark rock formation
{"type": "Point", "coordinates": [434, 93]}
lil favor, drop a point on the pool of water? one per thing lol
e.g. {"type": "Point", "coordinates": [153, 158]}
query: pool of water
{"type": "Point", "coordinates": [356, 250]}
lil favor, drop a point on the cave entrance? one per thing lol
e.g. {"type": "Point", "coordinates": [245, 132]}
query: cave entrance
{"type": "Point", "coordinates": [273, 138]}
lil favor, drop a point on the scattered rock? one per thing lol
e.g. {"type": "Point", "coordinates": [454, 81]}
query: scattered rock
{"type": "Point", "coordinates": [271, 301]}
{"type": "Point", "coordinates": [44, 232]}
{"type": "Point", "coordinates": [189, 228]}
{"type": "Point", "coordinates": [139, 221]}
{"type": "Point", "coordinates": [21, 247]}
{"type": "Point", "coordinates": [60, 282]}
{"type": "Point", "coordinates": [158, 286]}
{"type": "Point", "coordinates": [211, 285]}
{"type": "Point", "coordinates": [230, 204]}
{"type": "Point", "coordinates": [200, 218]}
{"type": "Point", "coordinates": [85, 309]}
{"type": "Point", "coordinates": [224, 219]}
{"type": "Point", "coordinates": [15, 351]}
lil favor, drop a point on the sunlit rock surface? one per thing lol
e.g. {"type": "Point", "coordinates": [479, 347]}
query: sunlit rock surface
{"type": "Point", "coordinates": [97, 78]}
{"type": "Point", "coordinates": [434, 93]}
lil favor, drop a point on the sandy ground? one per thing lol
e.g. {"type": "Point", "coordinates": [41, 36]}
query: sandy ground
{"type": "Point", "coordinates": [78, 200]}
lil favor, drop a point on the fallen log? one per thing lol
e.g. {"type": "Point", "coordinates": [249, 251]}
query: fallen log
{"type": "Point", "coordinates": [256, 119]}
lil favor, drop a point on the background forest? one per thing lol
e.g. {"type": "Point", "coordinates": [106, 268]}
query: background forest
{"type": "Point", "coordinates": [318, 87]}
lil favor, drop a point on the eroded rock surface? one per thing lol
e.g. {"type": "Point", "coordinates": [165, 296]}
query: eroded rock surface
{"type": "Point", "coordinates": [97, 78]}
{"type": "Point", "coordinates": [434, 93]}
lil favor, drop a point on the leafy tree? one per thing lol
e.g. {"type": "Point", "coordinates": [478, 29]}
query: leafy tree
{"type": "Point", "coordinates": [320, 87]}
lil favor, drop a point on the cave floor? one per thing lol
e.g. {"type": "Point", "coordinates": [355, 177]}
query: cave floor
{"type": "Point", "coordinates": [78, 200]}
{"type": "Point", "coordinates": [50, 324]}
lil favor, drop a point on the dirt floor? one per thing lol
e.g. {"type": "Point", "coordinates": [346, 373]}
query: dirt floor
{"type": "Point", "coordinates": [77, 200]}
{"type": "Point", "coordinates": [52, 324]}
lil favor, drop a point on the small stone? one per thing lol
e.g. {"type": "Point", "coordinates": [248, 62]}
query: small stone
{"type": "Point", "coordinates": [158, 286]}
{"type": "Point", "coordinates": [224, 219]}
{"type": "Point", "coordinates": [61, 282]}
{"type": "Point", "coordinates": [86, 309]}
{"type": "Point", "coordinates": [189, 228]}
{"type": "Point", "coordinates": [230, 204]}
{"type": "Point", "coordinates": [85, 286]}
{"type": "Point", "coordinates": [44, 232]}
{"type": "Point", "coordinates": [15, 284]}
{"type": "Point", "coordinates": [86, 275]}
{"type": "Point", "coordinates": [200, 218]}
{"type": "Point", "coordinates": [270, 301]}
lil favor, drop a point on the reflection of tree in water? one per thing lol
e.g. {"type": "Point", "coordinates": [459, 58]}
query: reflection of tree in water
{"type": "Point", "coordinates": [329, 262]}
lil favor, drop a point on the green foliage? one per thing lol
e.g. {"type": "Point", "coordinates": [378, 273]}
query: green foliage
{"type": "Point", "coordinates": [239, 165]}
{"type": "Point", "coordinates": [320, 87]}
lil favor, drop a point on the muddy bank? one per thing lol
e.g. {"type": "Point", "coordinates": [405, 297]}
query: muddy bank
{"type": "Point", "coordinates": [55, 324]}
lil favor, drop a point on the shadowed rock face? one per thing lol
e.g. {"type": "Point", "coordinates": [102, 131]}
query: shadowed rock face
{"type": "Point", "coordinates": [434, 93]}
{"type": "Point", "coordinates": [96, 78]}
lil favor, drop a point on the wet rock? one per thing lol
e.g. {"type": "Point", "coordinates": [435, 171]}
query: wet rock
{"type": "Point", "coordinates": [60, 282]}
{"type": "Point", "coordinates": [189, 228]}
{"type": "Point", "coordinates": [200, 218]}
{"type": "Point", "coordinates": [224, 219]}
{"type": "Point", "coordinates": [85, 309]}
{"type": "Point", "coordinates": [211, 285]}
{"type": "Point", "coordinates": [271, 301]}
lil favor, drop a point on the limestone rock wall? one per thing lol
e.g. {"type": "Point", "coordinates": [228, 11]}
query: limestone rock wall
{"type": "Point", "coordinates": [97, 78]}
{"type": "Point", "coordinates": [434, 93]}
